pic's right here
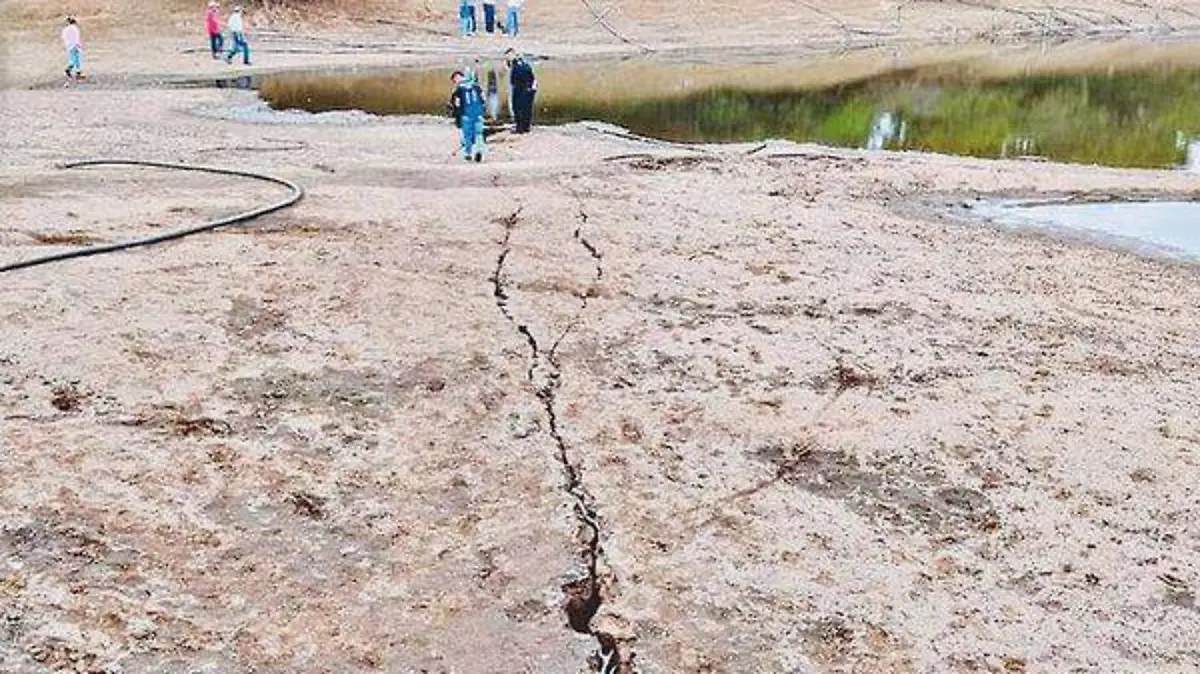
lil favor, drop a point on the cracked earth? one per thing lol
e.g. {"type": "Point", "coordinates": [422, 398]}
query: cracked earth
{"type": "Point", "coordinates": [595, 405]}
{"type": "Point", "coordinates": [583, 596]}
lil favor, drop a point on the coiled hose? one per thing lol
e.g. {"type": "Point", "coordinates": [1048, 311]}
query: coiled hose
{"type": "Point", "coordinates": [297, 193]}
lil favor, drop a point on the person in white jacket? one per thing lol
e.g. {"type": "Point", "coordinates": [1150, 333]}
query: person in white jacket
{"type": "Point", "coordinates": [237, 30]}
{"type": "Point", "coordinates": [73, 43]}
{"type": "Point", "coordinates": [512, 17]}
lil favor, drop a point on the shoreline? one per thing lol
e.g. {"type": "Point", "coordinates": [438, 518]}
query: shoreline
{"type": "Point", "coordinates": [985, 60]}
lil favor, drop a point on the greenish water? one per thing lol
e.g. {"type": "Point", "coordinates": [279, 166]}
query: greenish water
{"type": "Point", "coordinates": [1148, 118]}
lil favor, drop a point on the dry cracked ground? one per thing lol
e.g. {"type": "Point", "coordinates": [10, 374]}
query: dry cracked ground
{"type": "Point", "coordinates": [594, 405]}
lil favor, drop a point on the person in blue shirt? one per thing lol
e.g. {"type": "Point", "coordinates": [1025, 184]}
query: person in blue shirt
{"type": "Point", "coordinates": [466, 18]}
{"type": "Point", "coordinates": [467, 108]}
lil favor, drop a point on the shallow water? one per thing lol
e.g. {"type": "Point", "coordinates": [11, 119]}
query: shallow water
{"type": "Point", "coordinates": [1167, 228]}
{"type": "Point", "coordinates": [1148, 117]}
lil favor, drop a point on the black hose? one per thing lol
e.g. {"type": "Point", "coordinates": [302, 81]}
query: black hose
{"type": "Point", "coordinates": [296, 195]}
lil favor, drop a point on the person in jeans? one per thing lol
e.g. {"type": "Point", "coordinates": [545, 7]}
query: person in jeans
{"type": "Point", "coordinates": [464, 18]}
{"type": "Point", "coordinates": [73, 43]}
{"type": "Point", "coordinates": [212, 26]}
{"type": "Point", "coordinates": [512, 17]}
{"type": "Point", "coordinates": [237, 32]}
{"type": "Point", "coordinates": [489, 16]}
{"type": "Point", "coordinates": [466, 106]}
{"type": "Point", "coordinates": [523, 85]}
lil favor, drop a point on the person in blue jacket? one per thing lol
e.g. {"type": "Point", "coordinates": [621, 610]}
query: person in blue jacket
{"type": "Point", "coordinates": [466, 18]}
{"type": "Point", "coordinates": [467, 108]}
{"type": "Point", "coordinates": [523, 88]}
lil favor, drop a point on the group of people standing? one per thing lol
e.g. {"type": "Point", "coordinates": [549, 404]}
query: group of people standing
{"type": "Point", "coordinates": [72, 38]}
{"type": "Point", "coordinates": [468, 12]}
{"type": "Point", "coordinates": [469, 103]}
{"type": "Point", "coordinates": [468, 17]}
{"type": "Point", "coordinates": [237, 32]}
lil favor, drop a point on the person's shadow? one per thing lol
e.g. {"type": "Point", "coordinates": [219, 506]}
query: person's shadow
{"type": "Point", "coordinates": [239, 82]}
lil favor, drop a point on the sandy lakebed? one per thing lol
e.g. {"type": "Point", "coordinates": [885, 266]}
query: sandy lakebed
{"type": "Point", "coordinates": [596, 404]}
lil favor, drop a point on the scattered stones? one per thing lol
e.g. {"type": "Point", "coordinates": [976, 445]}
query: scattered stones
{"type": "Point", "coordinates": [308, 504]}
{"type": "Point", "coordinates": [67, 397]}
{"type": "Point", "coordinates": [1143, 475]}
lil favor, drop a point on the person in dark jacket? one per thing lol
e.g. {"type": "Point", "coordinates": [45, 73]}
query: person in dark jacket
{"type": "Point", "coordinates": [523, 84]}
{"type": "Point", "coordinates": [466, 106]}
{"type": "Point", "coordinates": [489, 16]}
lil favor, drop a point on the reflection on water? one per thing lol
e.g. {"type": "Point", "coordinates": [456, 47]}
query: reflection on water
{"type": "Point", "coordinates": [1170, 228]}
{"type": "Point", "coordinates": [1191, 149]}
{"type": "Point", "coordinates": [887, 131]}
{"type": "Point", "coordinates": [1114, 118]}
{"type": "Point", "coordinates": [1019, 146]}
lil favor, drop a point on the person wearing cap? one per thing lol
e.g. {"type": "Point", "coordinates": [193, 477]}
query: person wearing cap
{"type": "Point", "coordinates": [237, 33]}
{"type": "Point", "coordinates": [466, 106]}
{"type": "Point", "coordinates": [212, 26]}
{"type": "Point", "coordinates": [73, 43]}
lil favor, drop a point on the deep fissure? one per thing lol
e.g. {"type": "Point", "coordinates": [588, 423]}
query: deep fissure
{"type": "Point", "coordinates": [582, 597]}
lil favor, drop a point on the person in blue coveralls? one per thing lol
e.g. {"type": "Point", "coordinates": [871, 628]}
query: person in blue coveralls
{"type": "Point", "coordinates": [467, 108]}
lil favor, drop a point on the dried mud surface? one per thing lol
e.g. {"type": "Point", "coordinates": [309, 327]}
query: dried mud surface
{"type": "Point", "coordinates": [683, 411]}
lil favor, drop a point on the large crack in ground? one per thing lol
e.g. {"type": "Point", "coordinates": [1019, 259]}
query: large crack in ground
{"type": "Point", "coordinates": [582, 597]}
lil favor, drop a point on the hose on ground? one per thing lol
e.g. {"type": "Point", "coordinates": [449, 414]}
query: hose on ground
{"type": "Point", "coordinates": [297, 193]}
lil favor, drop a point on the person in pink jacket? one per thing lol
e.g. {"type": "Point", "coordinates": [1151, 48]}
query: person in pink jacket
{"type": "Point", "coordinates": [73, 43]}
{"type": "Point", "coordinates": [212, 25]}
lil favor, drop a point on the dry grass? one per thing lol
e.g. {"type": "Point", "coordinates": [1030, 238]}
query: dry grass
{"type": "Point", "coordinates": [72, 238]}
{"type": "Point", "coordinates": [93, 14]}
{"type": "Point", "coordinates": [325, 11]}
